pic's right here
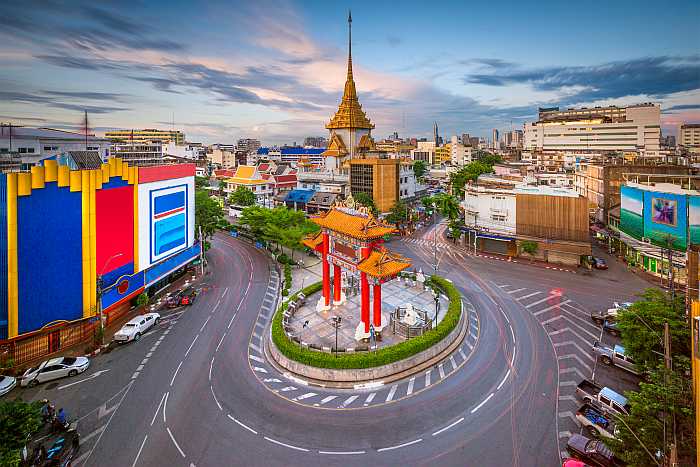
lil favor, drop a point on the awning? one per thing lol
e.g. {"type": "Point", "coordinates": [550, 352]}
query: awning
{"type": "Point", "coordinates": [299, 196]}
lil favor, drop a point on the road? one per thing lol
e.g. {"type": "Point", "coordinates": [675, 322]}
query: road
{"type": "Point", "coordinates": [198, 390]}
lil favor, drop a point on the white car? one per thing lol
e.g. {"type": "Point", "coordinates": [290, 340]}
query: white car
{"type": "Point", "coordinates": [136, 327]}
{"type": "Point", "coordinates": [54, 369]}
{"type": "Point", "coordinates": [6, 384]}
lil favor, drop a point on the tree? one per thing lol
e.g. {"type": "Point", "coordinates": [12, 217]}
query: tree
{"type": "Point", "coordinates": [200, 182]}
{"type": "Point", "coordinates": [242, 197]}
{"type": "Point", "coordinates": [366, 200]}
{"type": "Point", "coordinates": [455, 230]}
{"type": "Point", "coordinates": [469, 172]}
{"type": "Point", "coordinates": [142, 299]}
{"type": "Point", "coordinates": [255, 218]}
{"type": "Point", "coordinates": [208, 214]}
{"type": "Point", "coordinates": [419, 169]}
{"type": "Point", "coordinates": [222, 187]}
{"type": "Point", "coordinates": [642, 327]}
{"type": "Point", "coordinates": [447, 205]}
{"type": "Point", "coordinates": [488, 158]}
{"type": "Point", "coordinates": [18, 420]}
{"type": "Point", "coordinates": [530, 247]}
{"type": "Point", "coordinates": [398, 213]}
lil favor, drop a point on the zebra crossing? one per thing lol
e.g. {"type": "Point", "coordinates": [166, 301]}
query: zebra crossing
{"type": "Point", "coordinates": [572, 334]}
{"type": "Point", "coordinates": [371, 394]}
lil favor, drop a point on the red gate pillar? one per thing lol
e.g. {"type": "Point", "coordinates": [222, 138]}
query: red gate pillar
{"type": "Point", "coordinates": [336, 283]}
{"type": "Point", "coordinates": [377, 315]}
{"type": "Point", "coordinates": [326, 272]}
{"type": "Point", "coordinates": [364, 289]}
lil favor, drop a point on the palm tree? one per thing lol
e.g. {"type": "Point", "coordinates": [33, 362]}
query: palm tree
{"type": "Point", "coordinates": [447, 205]}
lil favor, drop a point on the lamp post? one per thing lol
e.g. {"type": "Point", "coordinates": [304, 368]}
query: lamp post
{"type": "Point", "coordinates": [301, 333]}
{"type": "Point", "coordinates": [436, 296]}
{"type": "Point", "coordinates": [99, 290]}
{"type": "Point", "coordinates": [336, 325]}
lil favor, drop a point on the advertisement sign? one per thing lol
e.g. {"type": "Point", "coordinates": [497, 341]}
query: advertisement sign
{"type": "Point", "coordinates": [665, 216]}
{"type": "Point", "coordinates": [168, 221]}
{"type": "Point", "coordinates": [694, 219]}
{"type": "Point", "coordinates": [127, 286]}
{"type": "Point", "coordinates": [632, 212]}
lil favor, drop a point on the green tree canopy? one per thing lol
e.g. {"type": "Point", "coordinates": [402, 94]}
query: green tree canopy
{"type": "Point", "coordinates": [469, 172]}
{"type": "Point", "coordinates": [447, 205]}
{"type": "Point", "coordinates": [242, 197]}
{"type": "Point", "coordinates": [208, 214]}
{"type": "Point", "coordinates": [365, 200]}
{"type": "Point", "coordinates": [200, 182]}
{"type": "Point", "coordinates": [420, 168]}
{"type": "Point", "coordinates": [398, 213]}
{"type": "Point", "coordinates": [281, 225]}
{"type": "Point", "coordinates": [18, 420]}
{"type": "Point", "coordinates": [530, 247]}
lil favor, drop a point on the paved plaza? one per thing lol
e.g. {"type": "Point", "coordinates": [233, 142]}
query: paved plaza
{"type": "Point", "coordinates": [397, 293]}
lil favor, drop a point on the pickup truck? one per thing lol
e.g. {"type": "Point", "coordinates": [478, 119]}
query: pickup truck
{"type": "Point", "coordinates": [610, 314]}
{"type": "Point", "coordinates": [592, 451]}
{"type": "Point", "coordinates": [603, 397]}
{"type": "Point", "coordinates": [610, 326]}
{"type": "Point", "coordinates": [614, 356]}
{"type": "Point", "coordinates": [595, 422]}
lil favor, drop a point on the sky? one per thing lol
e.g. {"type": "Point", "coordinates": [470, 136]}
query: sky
{"type": "Point", "coordinates": [275, 69]}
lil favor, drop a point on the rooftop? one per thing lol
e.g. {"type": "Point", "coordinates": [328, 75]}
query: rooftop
{"type": "Point", "coordinates": [353, 223]}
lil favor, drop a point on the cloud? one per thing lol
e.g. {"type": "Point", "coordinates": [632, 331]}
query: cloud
{"type": "Point", "coordinates": [682, 107]}
{"type": "Point", "coordinates": [653, 76]}
{"type": "Point", "coordinates": [49, 100]}
{"type": "Point", "coordinates": [490, 62]}
{"type": "Point", "coordinates": [394, 41]}
{"type": "Point", "coordinates": [97, 96]}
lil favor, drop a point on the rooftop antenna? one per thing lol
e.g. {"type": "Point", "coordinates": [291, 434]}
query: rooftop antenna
{"type": "Point", "coordinates": [85, 129]}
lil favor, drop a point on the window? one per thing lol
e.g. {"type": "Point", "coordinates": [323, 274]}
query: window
{"type": "Point", "coordinates": [498, 218]}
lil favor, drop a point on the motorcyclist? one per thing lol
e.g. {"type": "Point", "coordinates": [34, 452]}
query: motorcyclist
{"type": "Point", "coordinates": [47, 410]}
{"type": "Point", "coordinates": [61, 421]}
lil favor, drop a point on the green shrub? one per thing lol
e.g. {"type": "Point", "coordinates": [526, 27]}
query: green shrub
{"type": "Point", "coordinates": [371, 359]}
{"type": "Point", "coordinates": [287, 276]}
{"type": "Point", "coordinates": [282, 258]}
{"type": "Point", "coordinates": [285, 292]}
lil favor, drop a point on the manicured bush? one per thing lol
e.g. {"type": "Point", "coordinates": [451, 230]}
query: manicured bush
{"type": "Point", "coordinates": [371, 359]}
{"type": "Point", "coordinates": [287, 276]}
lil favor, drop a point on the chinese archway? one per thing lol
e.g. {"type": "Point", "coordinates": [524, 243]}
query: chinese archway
{"type": "Point", "coordinates": [352, 239]}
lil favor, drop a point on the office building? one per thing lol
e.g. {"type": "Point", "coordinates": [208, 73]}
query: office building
{"type": "Point", "coordinates": [689, 137]}
{"type": "Point", "coordinates": [460, 154]}
{"type": "Point", "coordinates": [495, 140]}
{"type": "Point", "coordinates": [146, 135]}
{"type": "Point", "coordinates": [248, 145]}
{"type": "Point", "coordinates": [139, 153]}
{"type": "Point", "coordinates": [222, 158]}
{"type": "Point", "coordinates": [443, 154]}
{"type": "Point", "coordinates": [425, 151]}
{"type": "Point", "coordinates": [315, 142]}
{"type": "Point", "coordinates": [636, 128]}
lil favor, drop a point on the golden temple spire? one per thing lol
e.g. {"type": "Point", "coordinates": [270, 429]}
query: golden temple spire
{"type": "Point", "coordinates": [350, 113]}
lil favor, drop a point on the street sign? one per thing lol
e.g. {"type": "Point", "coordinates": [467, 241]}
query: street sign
{"type": "Point", "coordinates": [234, 233]}
{"type": "Point", "coordinates": [258, 245]}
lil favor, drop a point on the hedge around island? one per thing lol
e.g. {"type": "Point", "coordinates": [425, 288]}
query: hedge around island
{"type": "Point", "coordinates": [384, 356]}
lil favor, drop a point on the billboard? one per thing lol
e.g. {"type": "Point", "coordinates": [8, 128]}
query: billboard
{"type": "Point", "coordinates": [694, 219]}
{"type": "Point", "coordinates": [114, 223]}
{"type": "Point", "coordinates": [632, 211]}
{"type": "Point", "coordinates": [665, 216]}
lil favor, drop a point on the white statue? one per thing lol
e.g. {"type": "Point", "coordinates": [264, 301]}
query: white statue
{"type": "Point", "coordinates": [411, 317]}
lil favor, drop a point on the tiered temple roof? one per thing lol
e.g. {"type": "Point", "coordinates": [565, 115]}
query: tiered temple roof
{"type": "Point", "coordinates": [383, 263]}
{"type": "Point", "coordinates": [353, 224]}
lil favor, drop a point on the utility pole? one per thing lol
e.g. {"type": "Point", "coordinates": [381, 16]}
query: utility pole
{"type": "Point", "coordinates": [201, 250]}
{"type": "Point", "coordinates": [673, 458]}
{"type": "Point", "coordinates": [435, 264]}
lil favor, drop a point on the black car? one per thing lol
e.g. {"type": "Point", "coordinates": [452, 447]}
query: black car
{"type": "Point", "coordinates": [592, 451]}
{"type": "Point", "coordinates": [599, 263]}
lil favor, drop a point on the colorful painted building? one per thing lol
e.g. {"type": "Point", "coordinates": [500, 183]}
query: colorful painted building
{"type": "Point", "coordinates": [64, 231]}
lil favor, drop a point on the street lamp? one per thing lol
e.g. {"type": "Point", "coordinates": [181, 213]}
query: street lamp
{"type": "Point", "coordinates": [336, 325]}
{"type": "Point", "coordinates": [99, 289]}
{"type": "Point", "coordinates": [436, 296]}
{"type": "Point", "coordinates": [301, 333]}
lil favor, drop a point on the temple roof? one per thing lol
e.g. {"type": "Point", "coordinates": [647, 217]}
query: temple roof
{"type": "Point", "coordinates": [336, 147]}
{"type": "Point", "coordinates": [350, 113]}
{"type": "Point", "coordinates": [313, 240]}
{"type": "Point", "coordinates": [383, 263]}
{"type": "Point", "coordinates": [353, 223]}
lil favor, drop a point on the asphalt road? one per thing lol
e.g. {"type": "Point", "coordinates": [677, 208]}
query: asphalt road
{"type": "Point", "coordinates": [191, 393]}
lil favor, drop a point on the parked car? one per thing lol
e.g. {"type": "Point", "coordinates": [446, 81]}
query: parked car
{"type": "Point", "coordinates": [592, 451]}
{"type": "Point", "coordinates": [610, 326]}
{"type": "Point", "coordinates": [7, 383]}
{"type": "Point", "coordinates": [599, 317]}
{"type": "Point", "coordinates": [615, 356]}
{"type": "Point", "coordinates": [595, 422]}
{"type": "Point", "coordinates": [134, 328]}
{"type": "Point", "coordinates": [599, 263]}
{"type": "Point", "coordinates": [571, 462]}
{"type": "Point", "coordinates": [54, 369]}
{"type": "Point", "coordinates": [602, 397]}
{"type": "Point", "coordinates": [181, 298]}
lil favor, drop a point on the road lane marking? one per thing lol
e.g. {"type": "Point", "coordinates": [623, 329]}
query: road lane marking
{"type": "Point", "coordinates": [139, 452]}
{"type": "Point", "coordinates": [549, 308]}
{"type": "Point", "coordinates": [84, 439]}
{"type": "Point", "coordinates": [243, 425]}
{"type": "Point", "coordinates": [175, 442]}
{"type": "Point", "coordinates": [448, 426]}
{"type": "Point", "coordinates": [398, 446]}
{"type": "Point", "coordinates": [572, 370]}
{"type": "Point", "coordinates": [305, 396]}
{"type": "Point", "coordinates": [190, 347]}
{"type": "Point", "coordinates": [256, 358]}
{"type": "Point", "coordinates": [175, 374]}
{"type": "Point", "coordinates": [427, 378]}
{"type": "Point", "coordinates": [441, 371]}
{"type": "Point", "coordinates": [548, 297]}
{"type": "Point", "coordinates": [135, 375]}
{"type": "Point", "coordinates": [392, 391]}
{"type": "Point", "coordinates": [225, 292]}
{"type": "Point", "coordinates": [325, 400]}
{"type": "Point", "coordinates": [578, 347]}
{"type": "Point", "coordinates": [369, 399]}
{"type": "Point", "coordinates": [92, 376]}
{"type": "Point", "coordinates": [219, 344]}
{"type": "Point", "coordinates": [409, 391]}
{"type": "Point", "coordinates": [454, 364]}
{"type": "Point", "coordinates": [216, 306]}
{"type": "Point", "coordinates": [272, 380]}
{"type": "Point", "coordinates": [144, 361]}
{"type": "Point", "coordinates": [341, 453]}
{"type": "Point", "coordinates": [286, 445]}
{"type": "Point", "coordinates": [577, 358]}
{"type": "Point", "coordinates": [349, 400]}
{"type": "Point", "coordinates": [211, 365]}
{"type": "Point", "coordinates": [288, 388]}
{"type": "Point", "coordinates": [517, 290]}
{"type": "Point", "coordinates": [260, 370]}
{"type": "Point", "coordinates": [165, 406]}
{"type": "Point", "coordinates": [205, 323]}
{"type": "Point", "coordinates": [512, 333]}
{"type": "Point", "coordinates": [527, 296]}
{"type": "Point", "coordinates": [139, 368]}
{"type": "Point", "coordinates": [255, 347]}
{"type": "Point", "coordinates": [214, 396]}
{"type": "Point", "coordinates": [482, 403]}
{"type": "Point", "coordinates": [504, 380]}
{"type": "Point", "coordinates": [551, 320]}
{"type": "Point", "coordinates": [231, 322]}
{"type": "Point", "coordinates": [158, 408]}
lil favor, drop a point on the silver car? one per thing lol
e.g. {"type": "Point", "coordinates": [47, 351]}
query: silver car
{"type": "Point", "coordinates": [615, 356]}
{"type": "Point", "coordinates": [6, 384]}
{"type": "Point", "coordinates": [54, 369]}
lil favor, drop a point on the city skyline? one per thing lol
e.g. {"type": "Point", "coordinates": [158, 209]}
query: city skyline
{"type": "Point", "coordinates": [275, 70]}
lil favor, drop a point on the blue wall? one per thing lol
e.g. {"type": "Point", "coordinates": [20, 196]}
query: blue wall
{"type": "Point", "coordinates": [166, 266]}
{"type": "Point", "coordinates": [49, 254]}
{"type": "Point", "coordinates": [3, 256]}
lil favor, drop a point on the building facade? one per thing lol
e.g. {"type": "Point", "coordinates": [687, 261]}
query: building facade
{"type": "Point", "coordinates": [147, 135]}
{"type": "Point", "coordinates": [140, 153]}
{"type": "Point", "coordinates": [689, 138]}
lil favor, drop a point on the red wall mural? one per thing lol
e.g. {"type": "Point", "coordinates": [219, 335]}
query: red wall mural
{"type": "Point", "coordinates": [114, 226]}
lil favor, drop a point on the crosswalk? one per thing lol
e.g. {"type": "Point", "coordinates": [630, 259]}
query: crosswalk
{"type": "Point", "coordinates": [572, 333]}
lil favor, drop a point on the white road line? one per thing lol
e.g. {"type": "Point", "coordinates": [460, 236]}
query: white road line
{"type": "Point", "coordinates": [231, 322]}
{"type": "Point", "coordinates": [427, 378]}
{"type": "Point", "coordinates": [144, 361]}
{"type": "Point", "coordinates": [392, 391]}
{"type": "Point", "coordinates": [370, 398]}
{"type": "Point", "coordinates": [139, 452]}
{"type": "Point", "coordinates": [158, 409]}
{"type": "Point", "coordinates": [551, 320]}
{"type": "Point", "coordinates": [242, 424]}
{"type": "Point", "coordinates": [341, 453]}
{"type": "Point", "coordinates": [220, 342]}
{"type": "Point", "coordinates": [325, 400]}
{"type": "Point", "coordinates": [471, 347]}
{"type": "Point", "coordinates": [211, 365]}
{"type": "Point", "coordinates": [577, 358]}
{"type": "Point", "coordinates": [216, 306]}
{"type": "Point", "coordinates": [391, 448]}
{"type": "Point", "coordinates": [583, 352]}
{"type": "Point", "coordinates": [442, 371]}
{"type": "Point", "coordinates": [572, 370]}
{"type": "Point", "coordinates": [165, 405]}
{"type": "Point", "coordinates": [175, 442]}
{"type": "Point", "coordinates": [148, 355]}
{"type": "Point", "coordinates": [548, 297]}
{"type": "Point", "coordinates": [512, 333]}
{"type": "Point", "coordinates": [504, 380]}
{"type": "Point", "coordinates": [549, 308]}
{"type": "Point", "coordinates": [528, 296]}
{"type": "Point", "coordinates": [259, 370]}
{"type": "Point", "coordinates": [448, 426]}
{"type": "Point", "coordinates": [288, 388]}
{"type": "Point", "coordinates": [225, 292]}
{"type": "Point", "coordinates": [568, 383]}
{"type": "Point", "coordinates": [84, 439]}
{"type": "Point", "coordinates": [461, 352]}
{"type": "Point", "coordinates": [305, 396]}
{"type": "Point", "coordinates": [349, 400]}
{"type": "Point", "coordinates": [255, 347]}
{"type": "Point", "coordinates": [482, 403]}
{"type": "Point", "coordinates": [256, 358]}
{"type": "Point", "coordinates": [286, 445]}
{"type": "Point", "coordinates": [409, 391]}
{"type": "Point", "coordinates": [272, 380]}
{"type": "Point", "coordinates": [512, 358]}
{"type": "Point", "coordinates": [452, 360]}
{"type": "Point", "coordinates": [190, 347]}
{"type": "Point", "coordinates": [516, 290]}
{"type": "Point", "coordinates": [214, 396]}
{"type": "Point", "coordinates": [135, 375]}
{"type": "Point", "coordinates": [175, 374]}
{"type": "Point", "coordinates": [205, 323]}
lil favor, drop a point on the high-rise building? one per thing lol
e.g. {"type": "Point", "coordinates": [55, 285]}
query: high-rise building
{"type": "Point", "coordinates": [635, 128]}
{"type": "Point", "coordinates": [465, 140]}
{"type": "Point", "coordinates": [494, 139]}
{"type": "Point", "coordinates": [146, 135]}
{"type": "Point", "coordinates": [139, 153]}
{"type": "Point", "coordinates": [473, 142]}
{"type": "Point", "coordinates": [315, 142]}
{"type": "Point", "coordinates": [248, 145]}
{"type": "Point", "coordinates": [436, 135]}
{"type": "Point", "coordinates": [689, 137]}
